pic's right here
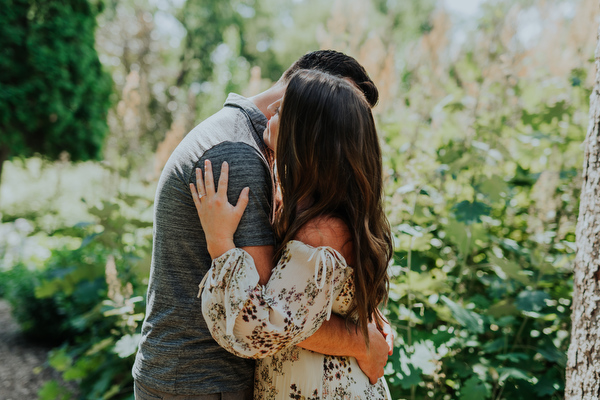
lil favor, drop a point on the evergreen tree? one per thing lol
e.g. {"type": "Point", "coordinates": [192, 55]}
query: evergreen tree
{"type": "Point", "coordinates": [54, 95]}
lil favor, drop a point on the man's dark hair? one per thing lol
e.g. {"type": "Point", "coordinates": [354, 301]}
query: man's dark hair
{"type": "Point", "coordinates": [339, 64]}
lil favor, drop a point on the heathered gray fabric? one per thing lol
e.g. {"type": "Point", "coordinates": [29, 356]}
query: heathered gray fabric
{"type": "Point", "coordinates": [177, 353]}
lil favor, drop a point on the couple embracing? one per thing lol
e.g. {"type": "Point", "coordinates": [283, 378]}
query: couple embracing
{"type": "Point", "coordinates": [292, 275]}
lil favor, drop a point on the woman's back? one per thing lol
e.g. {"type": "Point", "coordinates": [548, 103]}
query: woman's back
{"type": "Point", "coordinates": [294, 372]}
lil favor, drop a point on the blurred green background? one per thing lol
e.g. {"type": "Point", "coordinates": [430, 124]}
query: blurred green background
{"type": "Point", "coordinates": [482, 115]}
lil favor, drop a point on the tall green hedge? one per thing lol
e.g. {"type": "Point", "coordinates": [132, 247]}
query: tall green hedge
{"type": "Point", "coordinates": [54, 95]}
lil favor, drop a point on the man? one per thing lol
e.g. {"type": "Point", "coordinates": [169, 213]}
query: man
{"type": "Point", "coordinates": [177, 358]}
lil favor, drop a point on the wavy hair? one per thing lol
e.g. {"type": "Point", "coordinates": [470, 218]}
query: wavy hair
{"type": "Point", "coordinates": [329, 158]}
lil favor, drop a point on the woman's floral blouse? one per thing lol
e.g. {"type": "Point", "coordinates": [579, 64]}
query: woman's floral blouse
{"type": "Point", "coordinates": [266, 322]}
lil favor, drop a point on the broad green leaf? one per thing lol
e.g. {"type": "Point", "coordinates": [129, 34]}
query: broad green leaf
{"type": "Point", "coordinates": [549, 383]}
{"type": "Point", "coordinates": [513, 357]}
{"type": "Point", "coordinates": [553, 354]}
{"type": "Point", "coordinates": [83, 367]}
{"type": "Point", "coordinates": [468, 319]}
{"type": "Point", "coordinates": [457, 233]}
{"type": "Point", "coordinates": [410, 378]}
{"type": "Point", "coordinates": [450, 153]}
{"type": "Point", "coordinates": [503, 308]}
{"type": "Point", "coordinates": [60, 360]}
{"type": "Point", "coordinates": [523, 177]}
{"type": "Point", "coordinates": [474, 389]}
{"type": "Point", "coordinates": [507, 269]}
{"type": "Point", "coordinates": [496, 345]}
{"type": "Point", "coordinates": [514, 373]}
{"type": "Point", "coordinates": [106, 211]}
{"type": "Point", "coordinates": [53, 391]}
{"type": "Point", "coordinates": [532, 300]}
{"type": "Point", "coordinates": [75, 373]}
{"type": "Point", "coordinates": [470, 212]}
{"type": "Point", "coordinates": [495, 188]}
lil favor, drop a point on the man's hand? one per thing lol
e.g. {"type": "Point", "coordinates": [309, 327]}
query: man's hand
{"type": "Point", "coordinates": [375, 357]}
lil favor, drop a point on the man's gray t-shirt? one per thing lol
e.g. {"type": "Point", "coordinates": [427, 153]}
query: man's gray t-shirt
{"type": "Point", "coordinates": [177, 353]}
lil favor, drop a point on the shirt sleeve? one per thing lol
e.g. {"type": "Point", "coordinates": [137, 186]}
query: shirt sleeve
{"type": "Point", "coordinates": [247, 168]}
{"type": "Point", "coordinates": [254, 321]}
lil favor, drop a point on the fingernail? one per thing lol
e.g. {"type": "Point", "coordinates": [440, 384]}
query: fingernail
{"type": "Point", "coordinates": [224, 163]}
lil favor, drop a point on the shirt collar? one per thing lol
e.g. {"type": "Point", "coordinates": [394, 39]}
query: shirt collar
{"type": "Point", "coordinates": [256, 116]}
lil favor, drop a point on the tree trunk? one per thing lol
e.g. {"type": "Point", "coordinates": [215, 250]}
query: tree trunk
{"type": "Point", "coordinates": [583, 366]}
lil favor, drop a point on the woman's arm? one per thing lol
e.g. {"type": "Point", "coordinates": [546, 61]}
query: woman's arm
{"type": "Point", "coordinates": [220, 219]}
{"type": "Point", "coordinates": [257, 321]}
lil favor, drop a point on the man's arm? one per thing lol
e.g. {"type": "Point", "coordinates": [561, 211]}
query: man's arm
{"type": "Point", "coordinates": [334, 338]}
{"type": "Point", "coordinates": [263, 260]}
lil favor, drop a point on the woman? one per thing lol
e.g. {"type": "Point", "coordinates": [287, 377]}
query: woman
{"type": "Point", "coordinates": [334, 244]}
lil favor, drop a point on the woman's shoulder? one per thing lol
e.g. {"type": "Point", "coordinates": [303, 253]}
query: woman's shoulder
{"type": "Point", "coordinates": [328, 231]}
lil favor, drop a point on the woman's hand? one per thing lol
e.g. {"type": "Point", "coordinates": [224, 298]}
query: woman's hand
{"type": "Point", "coordinates": [218, 217]}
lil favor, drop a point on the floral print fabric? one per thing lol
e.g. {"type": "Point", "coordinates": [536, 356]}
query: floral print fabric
{"type": "Point", "coordinates": [266, 322]}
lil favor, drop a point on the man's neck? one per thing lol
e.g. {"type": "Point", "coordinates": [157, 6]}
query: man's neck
{"type": "Point", "coordinates": [268, 97]}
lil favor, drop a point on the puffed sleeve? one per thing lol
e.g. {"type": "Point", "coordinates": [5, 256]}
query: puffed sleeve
{"type": "Point", "coordinates": [254, 321]}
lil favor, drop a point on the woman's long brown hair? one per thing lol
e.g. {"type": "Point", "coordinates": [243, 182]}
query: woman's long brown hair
{"type": "Point", "coordinates": [328, 160]}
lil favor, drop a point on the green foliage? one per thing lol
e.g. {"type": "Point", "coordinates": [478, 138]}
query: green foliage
{"type": "Point", "coordinates": [484, 209]}
{"type": "Point", "coordinates": [53, 391]}
{"type": "Point", "coordinates": [207, 24]}
{"type": "Point", "coordinates": [40, 319]}
{"type": "Point", "coordinates": [88, 299]}
{"type": "Point", "coordinates": [53, 91]}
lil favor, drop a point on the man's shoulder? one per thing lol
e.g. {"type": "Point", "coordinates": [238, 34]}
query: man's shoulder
{"type": "Point", "coordinates": [221, 126]}
{"type": "Point", "coordinates": [234, 149]}
{"type": "Point", "coordinates": [246, 163]}
{"type": "Point", "coordinates": [228, 133]}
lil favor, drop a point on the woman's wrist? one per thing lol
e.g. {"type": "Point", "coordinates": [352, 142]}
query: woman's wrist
{"type": "Point", "coordinates": [218, 247]}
